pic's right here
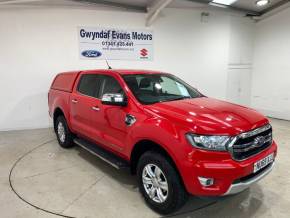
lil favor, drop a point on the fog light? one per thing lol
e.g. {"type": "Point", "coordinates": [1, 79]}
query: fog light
{"type": "Point", "coordinates": [205, 181]}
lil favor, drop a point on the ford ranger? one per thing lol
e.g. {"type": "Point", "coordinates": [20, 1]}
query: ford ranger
{"type": "Point", "coordinates": [176, 140]}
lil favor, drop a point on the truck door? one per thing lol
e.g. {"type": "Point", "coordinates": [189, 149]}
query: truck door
{"type": "Point", "coordinates": [84, 105]}
{"type": "Point", "coordinates": [110, 120]}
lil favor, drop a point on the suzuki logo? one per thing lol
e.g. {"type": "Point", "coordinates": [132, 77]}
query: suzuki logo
{"type": "Point", "coordinates": [144, 52]}
{"type": "Point", "coordinates": [259, 141]}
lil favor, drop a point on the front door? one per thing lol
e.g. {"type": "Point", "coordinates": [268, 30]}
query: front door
{"type": "Point", "coordinates": [110, 120]}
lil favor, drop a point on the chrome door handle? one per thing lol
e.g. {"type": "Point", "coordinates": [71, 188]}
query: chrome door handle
{"type": "Point", "coordinates": [96, 108]}
{"type": "Point", "coordinates": [74, 101]}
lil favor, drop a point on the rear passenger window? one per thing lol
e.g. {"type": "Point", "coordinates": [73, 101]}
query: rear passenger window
{"type": "Point", "coordinates": [90, 85]}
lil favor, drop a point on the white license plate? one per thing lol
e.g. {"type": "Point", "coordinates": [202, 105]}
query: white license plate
{"type": "Point", "coordinates": [264, 162]}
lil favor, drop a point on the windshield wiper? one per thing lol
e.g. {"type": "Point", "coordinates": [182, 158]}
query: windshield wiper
{"type": "Point", "coordinates": [176, 99]}
{"type": "Point", "coordinates": [173, 99]}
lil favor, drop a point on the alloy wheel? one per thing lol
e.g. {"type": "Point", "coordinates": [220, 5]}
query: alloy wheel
{"type": "Point", "coordinates": [155, 183]}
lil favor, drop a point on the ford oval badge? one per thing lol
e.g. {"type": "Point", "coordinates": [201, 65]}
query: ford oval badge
{"type": "Point", "coordinates": [91, 53]}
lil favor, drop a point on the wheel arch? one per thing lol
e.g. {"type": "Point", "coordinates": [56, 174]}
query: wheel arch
{"type": "Point", "coordinates": [145, 145]}
{"type": "Point", "coordinates": [57, 112]}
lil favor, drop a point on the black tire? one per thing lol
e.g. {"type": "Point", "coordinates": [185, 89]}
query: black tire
{"type": "Point", "coordinates": [177, 195]}
{"type": "Point", "coordinates": [68, 139]}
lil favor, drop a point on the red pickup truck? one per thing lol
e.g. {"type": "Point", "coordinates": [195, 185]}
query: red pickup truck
{"type": "Point", "coordinates": [176, 140]}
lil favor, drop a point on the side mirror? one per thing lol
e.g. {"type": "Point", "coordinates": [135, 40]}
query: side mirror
{"type": "Point", "coordinates": [116, 99]}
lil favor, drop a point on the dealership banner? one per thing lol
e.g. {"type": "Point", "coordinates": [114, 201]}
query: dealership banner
{"type": "Point", "coordinates": [115, 44]}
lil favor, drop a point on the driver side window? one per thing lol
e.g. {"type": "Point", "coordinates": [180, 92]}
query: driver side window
{"type": "Point", "coordinates": [110, 85]}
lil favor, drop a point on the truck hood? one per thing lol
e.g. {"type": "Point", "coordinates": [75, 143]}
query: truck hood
{"type": "Point", "coordinates": [209, 116]}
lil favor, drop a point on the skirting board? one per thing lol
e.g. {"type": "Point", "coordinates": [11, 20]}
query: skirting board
{"type": "Point", "coordinates": [25, 128]}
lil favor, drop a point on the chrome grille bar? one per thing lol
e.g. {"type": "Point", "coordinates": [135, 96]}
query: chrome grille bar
{"type": "Point", "coordinates": [255, 131]}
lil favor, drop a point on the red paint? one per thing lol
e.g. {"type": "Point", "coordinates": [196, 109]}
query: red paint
{"type": "Point", "coordinates": [164, 123]}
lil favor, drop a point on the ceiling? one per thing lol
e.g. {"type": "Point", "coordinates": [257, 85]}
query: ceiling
{"type": "Point", "coordinates": [246, 6]}
{"type": "Point", "coordinates": [251, 5]}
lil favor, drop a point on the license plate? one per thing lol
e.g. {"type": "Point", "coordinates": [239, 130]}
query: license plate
{"type": "Point", "coordinates": [264, 162]}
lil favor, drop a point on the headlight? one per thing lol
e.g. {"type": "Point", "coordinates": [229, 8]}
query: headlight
{"type": "Point", "coordinates": [214, 143]}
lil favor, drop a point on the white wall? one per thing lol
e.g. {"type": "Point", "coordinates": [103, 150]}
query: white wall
{"type": "Point", "coordinates": [271, 71]}
{"type": "Point", "coordinates": [38, 43]}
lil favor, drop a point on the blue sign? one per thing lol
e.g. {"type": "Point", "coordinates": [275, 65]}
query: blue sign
{"type": "Point", "coordinates": [91, 53]}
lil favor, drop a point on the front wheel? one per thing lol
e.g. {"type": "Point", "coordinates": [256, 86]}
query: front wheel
{"type": "Point", "coordinates": [160, 184]}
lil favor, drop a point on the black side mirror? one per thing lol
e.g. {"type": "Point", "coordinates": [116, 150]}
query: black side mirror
{"type": "Point", "coordinates": [116, 99]}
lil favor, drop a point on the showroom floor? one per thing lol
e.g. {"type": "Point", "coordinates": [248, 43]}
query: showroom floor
{"type": "Point", "coordinates": [76, 184]}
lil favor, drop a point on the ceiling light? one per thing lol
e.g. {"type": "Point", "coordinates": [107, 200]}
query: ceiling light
{"type": "Point", "coordinates": [261, 3]}
{"type": "Point", "coordinates": [224, 2]}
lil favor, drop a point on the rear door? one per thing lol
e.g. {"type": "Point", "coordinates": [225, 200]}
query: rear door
{"type": "Point", "coordinates": [85, 103]}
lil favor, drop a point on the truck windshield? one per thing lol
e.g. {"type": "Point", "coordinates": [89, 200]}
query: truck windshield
{"type": "Point", "coordinates": [153, 88]}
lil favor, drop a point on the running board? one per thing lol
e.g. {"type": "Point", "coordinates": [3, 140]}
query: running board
{"type": "Point", "coordinates": [103, 154]}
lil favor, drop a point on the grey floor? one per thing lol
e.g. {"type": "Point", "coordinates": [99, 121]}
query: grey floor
{"type": "Point", "coordinates": [77, 184]}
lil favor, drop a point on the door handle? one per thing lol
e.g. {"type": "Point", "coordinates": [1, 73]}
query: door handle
{"type": "Point", "coordinates": [74, 101]}
{"type": "Point", "coordinates": [96, 108]}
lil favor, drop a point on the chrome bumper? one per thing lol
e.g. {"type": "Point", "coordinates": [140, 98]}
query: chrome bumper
{"type": "Point", "coordinates": [239, 187]}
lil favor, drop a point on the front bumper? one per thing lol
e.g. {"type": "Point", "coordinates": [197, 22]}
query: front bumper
{"type": "Point", "coordinates": [241, 186]}
{"type": "Point", "coordinates": [229, 176]}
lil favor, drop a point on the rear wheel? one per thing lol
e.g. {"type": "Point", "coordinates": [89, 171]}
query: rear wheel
{"type": "Point", "coordinates": [159, 183]}
{"type": "Point", "coordinates": [63, 134]}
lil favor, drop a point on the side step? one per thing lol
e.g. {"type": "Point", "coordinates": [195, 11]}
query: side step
{"type": "Point", "coordinates": [103, 154]}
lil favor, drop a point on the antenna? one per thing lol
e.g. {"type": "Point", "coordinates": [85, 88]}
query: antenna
{"type": "Point", "coordinates": [109, 67]}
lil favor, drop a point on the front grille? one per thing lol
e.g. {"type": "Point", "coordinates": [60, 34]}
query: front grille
{"type": "Point", "coordinates": [250, 143]}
